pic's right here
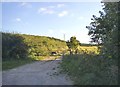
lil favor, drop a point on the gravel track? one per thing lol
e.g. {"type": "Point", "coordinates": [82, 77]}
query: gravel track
{"type": "Point", "coordinates": [37, 73]}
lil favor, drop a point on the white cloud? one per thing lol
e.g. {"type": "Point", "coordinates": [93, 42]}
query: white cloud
{"type": "Point", "coordinates": [63, 13]}
{"type": "Point", "coordinates": [25, 4]}
{"type": "Point", "coordinates": [60, 5]}
{"type": "Point", "coordinates": [52, 9]}
{"type": "Point", "coordinates": [18, 19]}
{"type": "Point", "coordinates": [45, 11]}
{"type": "Point", "coordinates": [41, 10]}
{"type": "Point", "coordinates": [49, 12]}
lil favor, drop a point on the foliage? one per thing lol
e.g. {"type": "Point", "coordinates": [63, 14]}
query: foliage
{"type": "Point", "coordinates": [12, 63]}
{"type": "Point", "coordinates": [17, 46]}
{"type": "Point", "coordinates": [104, 29]}
{"type": "Point", "coordinates": [101, 69]}
{"type": "Point", "coordinates": [73, 43]}
{"type": "Point", "coordinates": [89, 69]}
{"type": "Point", "coordinates": [13, 46]}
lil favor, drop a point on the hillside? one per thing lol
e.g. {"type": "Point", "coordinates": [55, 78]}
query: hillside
{"type": "Point", "coordinates": [24, 46]}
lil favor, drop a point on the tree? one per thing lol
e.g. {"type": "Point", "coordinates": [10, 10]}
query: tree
{"type": "Point", "coordinates": [73, 44]}
{"type": "Point", "coordinates": [104, 29]}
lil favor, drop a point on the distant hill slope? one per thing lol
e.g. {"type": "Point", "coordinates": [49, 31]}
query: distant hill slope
{"type": "Point", "coordinates": [23, 45]}
{"type": "Point", "coordinates": [85, 44]}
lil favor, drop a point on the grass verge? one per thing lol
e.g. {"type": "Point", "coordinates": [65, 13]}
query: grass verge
{"type": "Point", "coordinates": [13, 63]}
{"type": "Point", "coordinates": [89, 69]}
{"type": "Point", "coordinates": [9, 64]}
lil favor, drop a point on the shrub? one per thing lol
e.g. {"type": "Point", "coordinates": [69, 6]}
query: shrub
{"type": "Point", "coordinates": [90, 69]}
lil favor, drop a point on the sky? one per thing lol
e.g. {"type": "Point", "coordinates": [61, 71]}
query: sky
{"type": "Point", "coordinates": [53, 19]}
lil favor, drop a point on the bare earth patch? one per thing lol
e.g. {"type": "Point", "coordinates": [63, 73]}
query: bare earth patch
{"type": "Point", "coordinates": [37, 73]}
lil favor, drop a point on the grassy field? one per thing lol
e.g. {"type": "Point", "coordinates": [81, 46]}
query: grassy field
{"type": "Point", "coordinates": [88, 49]}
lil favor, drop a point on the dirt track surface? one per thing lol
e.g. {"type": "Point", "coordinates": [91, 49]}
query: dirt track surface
{"type": "Point", "coordinates": [37, 73]}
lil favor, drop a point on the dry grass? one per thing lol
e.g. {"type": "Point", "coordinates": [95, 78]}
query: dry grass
{"type": "Point", "coordinates": [88, 49]}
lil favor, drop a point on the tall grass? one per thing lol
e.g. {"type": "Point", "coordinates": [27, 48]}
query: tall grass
{"type": "Point", "coordinates": [89, 69]}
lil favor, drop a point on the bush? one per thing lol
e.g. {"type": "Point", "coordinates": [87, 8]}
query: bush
{"type": "Point", "coordinates": [21, 46]}
{"type": "Point", "coordinates": [13, 46]}
{"type": "Point", "coordinates": [90, 69]}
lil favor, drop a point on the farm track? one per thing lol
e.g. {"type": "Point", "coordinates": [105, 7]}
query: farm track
{"type": "Point", "coordinates": [37, 73]}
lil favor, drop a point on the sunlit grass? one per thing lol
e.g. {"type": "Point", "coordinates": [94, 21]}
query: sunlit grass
{"type": "Point", "coordinates": [88, 49]}
{"type": "Point", "coordinates": [45, 58]}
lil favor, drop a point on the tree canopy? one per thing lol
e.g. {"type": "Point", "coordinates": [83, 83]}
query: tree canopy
{"type": "Point", "coordinates": [104, 29]}
{"type": "Point", "coordinates": [73, 43]}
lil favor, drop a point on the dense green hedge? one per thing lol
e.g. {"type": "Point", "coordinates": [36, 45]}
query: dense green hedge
{"type": "Point", "coordinates": [90, 69]}
{"type": "Point", "coordinates": [24, 46]}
